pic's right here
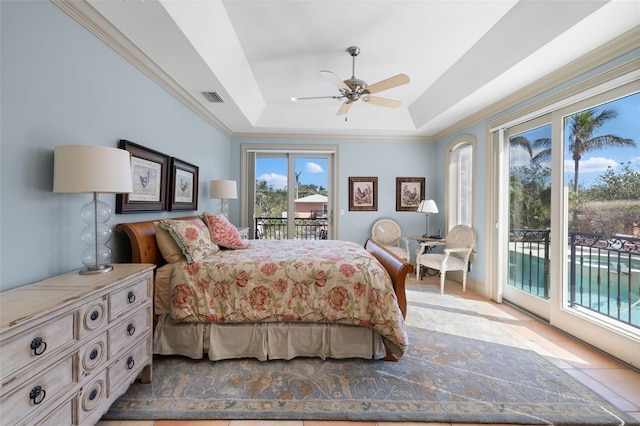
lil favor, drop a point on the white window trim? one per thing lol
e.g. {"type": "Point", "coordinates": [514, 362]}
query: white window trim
{"type": "Point", "coordinates": [457, 142]}
{"type": "Point", "coordinates": [608, 86]}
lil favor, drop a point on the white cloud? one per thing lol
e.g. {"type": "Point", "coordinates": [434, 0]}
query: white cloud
{"type": "Point", "coordinates": [312, 167]}
{"type": "Point", "coordinates": [274, 179]}
{"type": "Point", "coordinates": [591, 165]}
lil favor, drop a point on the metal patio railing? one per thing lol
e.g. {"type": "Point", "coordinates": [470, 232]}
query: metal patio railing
{"type": "Point", "coordinates": [603, 271]}
{"type": "Point", "coordinates": [275, 228]}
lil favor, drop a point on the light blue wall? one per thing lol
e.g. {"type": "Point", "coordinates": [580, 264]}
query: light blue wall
{"type": "Point", "coordinates": [61, 85]}
{"type": "Point", "coordinates": [384, 160]}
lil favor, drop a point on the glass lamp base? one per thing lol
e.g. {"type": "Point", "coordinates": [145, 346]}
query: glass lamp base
{"type": "Point", "coordinates": [96, 270]}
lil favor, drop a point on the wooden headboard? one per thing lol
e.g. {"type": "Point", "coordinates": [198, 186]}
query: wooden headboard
{"type": "Point", "coordinates": [142, 236]}
{"type": "Point", "coordinates": [144, 249]}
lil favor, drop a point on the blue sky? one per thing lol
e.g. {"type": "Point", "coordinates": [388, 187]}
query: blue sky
{"type": "Point", "coordinates": [274, 171]}
{"type": "Point", "coordinates": [595, 163]}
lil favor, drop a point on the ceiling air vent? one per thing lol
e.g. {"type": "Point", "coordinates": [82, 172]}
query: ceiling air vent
{"type": "Point", "coordinates": [212, 97]}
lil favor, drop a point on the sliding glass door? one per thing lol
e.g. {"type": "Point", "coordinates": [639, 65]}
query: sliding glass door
{"type": "Point", "coordinates": [291, 193]}
{"type": "Point", "coordinates": [567, 230]}
{"type": "Point", "coordinates": [529, 207]}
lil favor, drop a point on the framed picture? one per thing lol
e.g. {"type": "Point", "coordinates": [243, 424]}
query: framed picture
{"type": "Point", "coordinates": [184, 185]}
{"type": "Point", "coordinates": [363, 194]}
{"type": "Point", "coordinates": [409, 193]}
{"type": "Point", "coordinates": [149, 170]}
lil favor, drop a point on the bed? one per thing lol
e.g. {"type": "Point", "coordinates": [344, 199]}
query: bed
{"type": "Point", "coordinates": [248, 302]}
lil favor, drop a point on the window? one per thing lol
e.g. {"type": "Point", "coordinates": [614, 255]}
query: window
{"type": "Point", "coordinates": [460, 182]}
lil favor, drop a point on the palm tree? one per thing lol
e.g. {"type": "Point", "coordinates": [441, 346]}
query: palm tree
{"type": "Point", "coordinates": [581, 140]}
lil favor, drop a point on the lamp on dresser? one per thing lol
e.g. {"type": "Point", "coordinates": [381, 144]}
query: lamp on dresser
{"type": "Point", "coordinates": [93, 169]}
{"type": "Point", "coordinates": [224, 190]}
{"type": "Point", "coordinates": [427, 206]}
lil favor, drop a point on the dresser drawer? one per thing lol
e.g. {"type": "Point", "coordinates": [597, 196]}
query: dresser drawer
{"type": "Point", "coordinates": [61, 416]}
{"type": "Point", "coordinates": [126, 298]}
{"type": "Point", "coordinates": [36, 344]}
{"type": "Point", "coordinates": [92, 355]}
{"type": "Point", "coordinates": [39, 393]}
{"type": "Point", "coordinates": [91, 396]}
{"type": "Point", "coordinates": [92, 316]}
{"type": "Point", "coordinates": [126, 332]}
{"type": "Point", "coordinates": [127, 366]}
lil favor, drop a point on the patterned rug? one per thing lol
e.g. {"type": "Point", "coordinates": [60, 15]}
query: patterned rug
{"type": "Point", "coordinates": [460, 368]}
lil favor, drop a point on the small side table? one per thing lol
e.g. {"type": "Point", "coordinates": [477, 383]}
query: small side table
{"type": "Point", "coordinates": [426, 246]}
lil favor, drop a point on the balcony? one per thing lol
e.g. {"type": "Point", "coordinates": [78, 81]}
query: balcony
{"type": "Point", "coordinates": [275, 228]}
{"type": "Point", "coordinates": [603, 272]}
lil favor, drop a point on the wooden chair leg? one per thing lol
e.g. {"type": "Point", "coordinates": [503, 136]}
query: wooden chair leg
{"type": "Point", "coordinates": [464, 281]}
{"type": "Point", "coordinates": [442, 275]}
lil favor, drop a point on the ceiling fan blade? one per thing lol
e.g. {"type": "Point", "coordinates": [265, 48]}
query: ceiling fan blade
{"type": "Point", "coordinates": [333, 77]}
{"type": "Point", "coordinates": [389, 103]}
{"type": "Point", "coordinates": [391, 82]}
{"type": "Point", "coordinates": [317, 97]}
{"type": "Point", "coordinates": [344, 108]}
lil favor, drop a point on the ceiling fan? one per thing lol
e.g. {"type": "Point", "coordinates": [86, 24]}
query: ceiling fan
{"type": "Point", "coordinates": [354, 89]}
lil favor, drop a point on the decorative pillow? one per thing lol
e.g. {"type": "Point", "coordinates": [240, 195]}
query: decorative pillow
{"type": "Point", "coordinates": [193, 238]}
{"type": "Point", "coordinates": [170, 250]}
{"type": "Point", "coordinates": [223, 233]}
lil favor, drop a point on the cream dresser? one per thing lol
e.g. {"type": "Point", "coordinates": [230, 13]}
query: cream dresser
{"type": "Point", "coordinates": [72, 344]}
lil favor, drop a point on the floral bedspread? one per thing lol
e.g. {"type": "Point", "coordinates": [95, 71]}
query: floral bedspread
{"type": "Point", "coordinates": [316, 281]}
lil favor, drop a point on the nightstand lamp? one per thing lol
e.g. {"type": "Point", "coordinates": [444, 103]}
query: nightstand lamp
{"type": "Point", "coordinates": [224, 190]}
{"type": "Point", "coordinates": [93, 169]}
{"type": "Point", "coordinates": [427, 206]}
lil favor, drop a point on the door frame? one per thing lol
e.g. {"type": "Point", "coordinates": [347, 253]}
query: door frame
{"type": "Point", "coordinates": [247, 165]}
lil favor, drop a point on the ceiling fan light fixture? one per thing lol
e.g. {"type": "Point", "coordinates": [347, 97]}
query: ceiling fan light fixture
{"type": "Point", "coordinates": [354, 89]}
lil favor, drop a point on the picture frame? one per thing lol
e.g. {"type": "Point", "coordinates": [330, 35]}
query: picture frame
{"type": "Point", "coordinates": [183, 186]}
{"type": "Point", "coordinates": [149, 170]}
{"type": "Point", "coordinates": [363, 194]}
{"type": "Point", "coordinates": [409, 193]}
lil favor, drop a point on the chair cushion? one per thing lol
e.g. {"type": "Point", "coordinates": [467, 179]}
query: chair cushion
{"type": "Point", "coordinates": [434, 261]}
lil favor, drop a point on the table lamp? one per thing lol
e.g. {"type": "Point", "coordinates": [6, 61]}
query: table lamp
{"type": "Point", "coordinates": [93, 169]}
{"type": "Point", "coordinates": [427, 206]}
{"type": "Point", "coordinates": [224, 190]}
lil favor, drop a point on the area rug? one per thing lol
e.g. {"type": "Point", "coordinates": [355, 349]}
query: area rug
{"type": "Point", "coordinates": [460, 368]}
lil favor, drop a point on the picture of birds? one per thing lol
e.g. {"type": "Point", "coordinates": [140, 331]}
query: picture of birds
{"type": "Point", "coordinates": [145, 182]}
{"type": "Point", "coordinates": [363, 195]}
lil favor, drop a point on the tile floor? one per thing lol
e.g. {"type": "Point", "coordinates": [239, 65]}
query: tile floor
{"type": "Point", "coordinates": [614, 381]}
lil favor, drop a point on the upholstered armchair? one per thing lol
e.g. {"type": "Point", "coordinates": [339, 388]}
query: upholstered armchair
{"type": "Point", "coordinates": [459, 243]}
{"type": "Point", "coordinates": [387, 233]}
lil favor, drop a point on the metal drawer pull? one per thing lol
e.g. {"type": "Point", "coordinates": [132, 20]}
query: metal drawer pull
{"type": "Point", "coordinates": [37, 394]}
{"type": "Point", "coordinates": [93, 354]}
{"type": "Point", "coordinates": [38, 343]}
{"type": "Point", "coordinates": [131, 297]}
{"type": "Point", "coordinates": [93, 395]}
{"type": "Point", "coordinates": [130, 363]}
{"type": "Point", "coordinates": [131, 329]}
{"type": "Point", "coordinates": [94, 315]}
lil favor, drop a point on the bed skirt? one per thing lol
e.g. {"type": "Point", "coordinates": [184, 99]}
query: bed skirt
{"type": "Point", "coordinates": [265, 341]}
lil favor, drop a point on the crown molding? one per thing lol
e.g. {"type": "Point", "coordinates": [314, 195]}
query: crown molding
{"type": "Point", "coordinates": [333, 137]}
{"type": "Point", "coordinates": [87, 16]}
{"type": "Point", "coordinates": [609, 51]}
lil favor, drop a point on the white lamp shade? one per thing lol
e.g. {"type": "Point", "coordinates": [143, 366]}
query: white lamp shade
{"type": "Point", "coordinates": [88, 168]}
{"type": "Point", "coordinates": [427, 206]}
{"type": "Point", "coordinates": [223, 189]}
